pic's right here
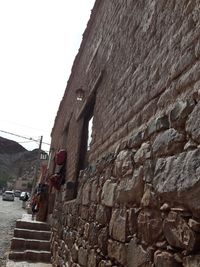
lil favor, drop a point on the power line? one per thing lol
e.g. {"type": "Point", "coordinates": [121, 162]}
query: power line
{"type": "Point", "coordinates": [25, 142]}
{"type": "Point", "coordinates": [24, 137]}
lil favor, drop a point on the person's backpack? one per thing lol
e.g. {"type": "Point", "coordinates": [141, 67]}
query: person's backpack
{"type": "Point", "coordinates": [25, 197]}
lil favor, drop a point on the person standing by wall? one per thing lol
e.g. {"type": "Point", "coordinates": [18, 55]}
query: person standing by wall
{"type": "Point", "coordinates": [24, 200]}
{"type": "Point", "coordinates": [35, 205]}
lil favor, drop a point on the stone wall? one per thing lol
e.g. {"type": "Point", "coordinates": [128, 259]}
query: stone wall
{"type": "Point", "coordinates": [138, 201]}
{"type": "Point", "coordinates": [139, 205]}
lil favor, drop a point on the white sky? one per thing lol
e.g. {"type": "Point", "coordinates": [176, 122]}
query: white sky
{"type": "Point", "coordinates": [39, 40]}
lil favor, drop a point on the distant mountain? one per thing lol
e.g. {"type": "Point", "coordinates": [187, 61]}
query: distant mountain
{"type": "Point", "coordinates": [9, 147]}
{"type": "Point", "coordinates": [17, 165]}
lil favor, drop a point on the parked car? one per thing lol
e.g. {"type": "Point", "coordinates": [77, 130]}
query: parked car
{"type": "Point", "coordinates": [17, 193]}
{"type": "Point", "coordinates": [8, 195]}
{"type": "Point", "coordinates": [23, 195]}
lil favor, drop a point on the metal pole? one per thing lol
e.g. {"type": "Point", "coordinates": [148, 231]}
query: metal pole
{"type": "Point", "coordinates": [37, 165]}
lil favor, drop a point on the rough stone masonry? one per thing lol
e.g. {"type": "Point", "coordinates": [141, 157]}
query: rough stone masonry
{"type": "Point", "coordinates": [136, 203]}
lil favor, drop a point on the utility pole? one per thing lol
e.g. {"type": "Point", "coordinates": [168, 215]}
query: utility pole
{"type": "Point", "coordinates": [37, 165]}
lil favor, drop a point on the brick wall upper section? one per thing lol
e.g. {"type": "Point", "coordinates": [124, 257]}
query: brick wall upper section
{"type": "Point", "coordinates": [149, 51]}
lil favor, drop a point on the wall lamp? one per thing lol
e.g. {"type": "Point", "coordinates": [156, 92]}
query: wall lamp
{"type": "Point", "coordinates": [80, 93]}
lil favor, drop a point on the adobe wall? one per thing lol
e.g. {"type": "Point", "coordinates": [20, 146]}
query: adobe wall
{"type": "Point", "coordinates": [138, 202]}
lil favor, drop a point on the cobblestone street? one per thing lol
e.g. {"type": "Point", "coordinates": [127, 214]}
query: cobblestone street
{"type": "Point", "coordinates": [9, 212]}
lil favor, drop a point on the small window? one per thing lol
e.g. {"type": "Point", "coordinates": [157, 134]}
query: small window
{"type": "Point", "coordinates": [90, 128]}
{"type": "Point", "coordinates": [44, 156]}
{"type": "Point", "coordinates": [86, 119]}
{"type": "Point", "coordinates": [86, 136]}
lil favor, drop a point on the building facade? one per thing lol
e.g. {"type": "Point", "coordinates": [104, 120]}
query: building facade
{"type": "Point", "coordinates": [129, 123]}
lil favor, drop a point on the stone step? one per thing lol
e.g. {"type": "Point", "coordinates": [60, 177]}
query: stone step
{"type": "Point", "coordinates": [10, 263]}
{"type": "Point", "coordinates": [32, 234]}
{"type": "Point", "coordinates": [30, 244]}
{"type": "Point", "coordinates": [33, 225]}
{"type": "Point", "coordinates": [30, 255]}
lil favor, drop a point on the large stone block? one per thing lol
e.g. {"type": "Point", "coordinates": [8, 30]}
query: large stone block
{"type": "Point", "coordinates": [118, 225]}
{"type": "Point", "coordinates": [157, 124]}
{"type": "Point", "coordinates": [84, 212]}
{"type": "Point", "coordinates": [99, 188]}
{"type": "Point", "coordinates": [192, 124]}
{"type": "Point", "coordinates": [165, 259]}
{"type": "Point", "coordinates": [124, 164]}
{"type": "Point", "coordinates": [103, 239]}
{"type": "Point", "coordinates": [149, 226]}
{"type": "Point", "coordinates": [108, 193]}
{"type": "Point", "coordinates": [136, 255]}
{"type": "Point", "coordinates": [178, 233]}
{"type": "Point", "coordinates": [94, 230]}
{"type": "Point", "coordinates": [82, 256]}
{"type": "Point", "coordinates": [74, 253]}
{"type": "Point", "coordinates": [148, 167]}
{"type": "Point", "coordinates": [149, 198]}
{"type": "Point", "coordinates": [94, 187]}
{"type": "Point", "coordinates": [117, 251]}
{"type": "Point", "coordinates": [71, 221]}
{"type": "Point", "coordinates": [191, 261]}
{"type": "Point", "coordinates": [177, 179]}
{"type": "Point", "coordinates": [190, 145]}
{"type": "Point", "coordinates": [194, 225]}
{"type": "Point", "coordinates": [92, 258]}
{"type": "Point", "coordinates": [179, 113]}
{"type": "Point", "coordinates": [74, 208]}
{"type": "Point", "coordinates": [130, 190]}
{"type": "Point", "coordinates": [132, 221]}
{"type": "Point", "coordinates": [103, 215]}
{"type": "Point", "coordinates": [168, 143]}
{"type": "Point", "coordinates": [92, 212]}
{"type": "Point", "coordinates": [143, 153]}
{"type": "Point", "coordinates": [136, 139]}
{"type": "Point", "coordinates": [70, 238]}
{"type": "Point", "coordinates": [81, 224]}
{"type": "Point", "coordinates": [86, 193]}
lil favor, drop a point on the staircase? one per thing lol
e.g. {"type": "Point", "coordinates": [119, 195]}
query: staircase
{"type": "Point", "coordinates": [31, 241]}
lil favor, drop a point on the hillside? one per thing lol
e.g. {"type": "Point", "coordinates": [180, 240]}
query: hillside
{"type": "Point", "coordinates": [10, 147]}
{"type": "Point", "coordinates": [17, 165]}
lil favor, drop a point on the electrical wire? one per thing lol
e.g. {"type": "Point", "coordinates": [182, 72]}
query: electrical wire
{"type": "Point", "coordinates": [24, 137]}
{"type": "Point", "coordinates": [25, 142]}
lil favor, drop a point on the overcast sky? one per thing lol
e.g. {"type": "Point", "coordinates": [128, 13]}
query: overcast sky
{"type": "Point", "coordinates": [39, 40]}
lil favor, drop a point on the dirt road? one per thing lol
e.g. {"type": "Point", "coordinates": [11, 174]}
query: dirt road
{"type": "Point", "coordinates": [10, 211]}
